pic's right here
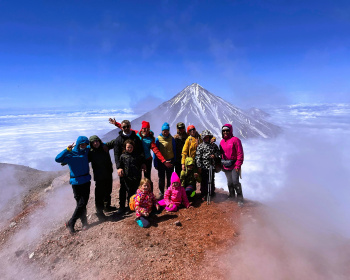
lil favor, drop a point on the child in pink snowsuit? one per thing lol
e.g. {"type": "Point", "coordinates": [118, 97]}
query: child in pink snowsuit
{"type": "Point", "coordinates": [174, 195]}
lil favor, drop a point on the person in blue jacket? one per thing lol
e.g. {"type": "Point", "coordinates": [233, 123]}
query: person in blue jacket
{"type": "Point", "coordinates": [77, 159]}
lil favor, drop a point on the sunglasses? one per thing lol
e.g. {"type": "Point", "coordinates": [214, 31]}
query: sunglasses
{"type": "Point", "coordinates": [225, 131]}
{"type": "Point", "coordinates": [125, 126]}
{"type": "Point", "coordinates": [192, 129]}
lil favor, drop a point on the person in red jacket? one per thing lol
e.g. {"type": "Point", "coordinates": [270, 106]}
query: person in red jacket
{"type": "Point", "coordinates": [146, 135]}
{"type": "Point", "coordinates": [232, 157]}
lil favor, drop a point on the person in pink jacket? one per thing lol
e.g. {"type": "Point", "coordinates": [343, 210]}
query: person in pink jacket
{"type": "Point", "coordinates": [232, 157]}
{"type": "Point", "coordinates": [175, 195]}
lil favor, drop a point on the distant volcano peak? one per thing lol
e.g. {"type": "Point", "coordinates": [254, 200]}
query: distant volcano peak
{"type": "Point", "coordinates": [195, 105]}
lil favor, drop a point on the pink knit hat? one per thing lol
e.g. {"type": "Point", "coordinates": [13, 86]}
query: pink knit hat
{"type": "Point", "coordinates": [175, 178]}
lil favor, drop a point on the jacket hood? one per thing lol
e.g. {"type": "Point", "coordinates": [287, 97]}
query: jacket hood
{"type": "Point", "coordinates": [94, 138]}
{"type": "Point", "coordinates": [230, 127]}
{"type": "Point", "coordinates": [189, 161]}
{"type": "Point", "coordinates": [80, 140]}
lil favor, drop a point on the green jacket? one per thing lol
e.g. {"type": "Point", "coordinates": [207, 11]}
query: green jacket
{"type": "Point", "coordinates": [187, 177]}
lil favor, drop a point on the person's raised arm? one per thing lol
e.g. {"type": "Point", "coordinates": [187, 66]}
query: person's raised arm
{"type": "Point", "coordinates": [61, 157]}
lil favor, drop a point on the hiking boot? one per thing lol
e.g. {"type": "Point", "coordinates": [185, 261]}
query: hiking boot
{"type": "Point", "coordinates": [70, 227]}
{"type": "Point", "coordinates": [110, 208]}
{"type": "Point", "coordinates": [121, 210]}
{"type": "Point", "coordinates": [127, 210]}
{"type": "Point", "coordinates": [101, 216]}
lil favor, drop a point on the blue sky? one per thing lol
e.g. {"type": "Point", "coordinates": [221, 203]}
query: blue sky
{"type": "Point", "coordinates": [136, 54]}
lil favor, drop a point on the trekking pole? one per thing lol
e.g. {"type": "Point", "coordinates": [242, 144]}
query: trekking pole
{"type": "Point", "coordinates": [209, 183]}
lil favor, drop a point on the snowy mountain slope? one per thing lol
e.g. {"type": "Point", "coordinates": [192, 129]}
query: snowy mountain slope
{"type": "Point", "coordinates": [195, 105]}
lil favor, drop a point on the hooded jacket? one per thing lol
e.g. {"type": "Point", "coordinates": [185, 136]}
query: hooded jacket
{"type": "Point", "coordinates": [190, 147]}
{"type": "Point", "coordinates": [77, 161]}
{"type": "Point", "coordinates": [231, 148]}
{"type": "Point", "coordinates": [205, 150]}
{"type": "Point", "coordinates": [176, 195]}
{"type": "Point", "coordinates": [100, 160]}
{"type": "Point", "coordinates": [187, 176]}
{"type": "Point", "coordinates": [144, 202]}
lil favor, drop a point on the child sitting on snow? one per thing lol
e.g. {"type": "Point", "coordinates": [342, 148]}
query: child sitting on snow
{"type": "Point", "coordinates": [144, 203]}
{"type": "Point", "coordinates": [175, 195]}
{"type": "Point", "coordinates": [189, 177]}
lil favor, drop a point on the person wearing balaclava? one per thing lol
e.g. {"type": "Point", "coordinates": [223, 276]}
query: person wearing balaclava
{"type": "Point", "coordinates": [232, 157]}
{"type": "Point", "coordinates": [77, 159]}
{"type": "Point", "coordinates": [166, 145]}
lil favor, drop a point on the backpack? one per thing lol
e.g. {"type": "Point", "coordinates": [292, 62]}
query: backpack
{"type": "Point", "coordinates": [132, 203]}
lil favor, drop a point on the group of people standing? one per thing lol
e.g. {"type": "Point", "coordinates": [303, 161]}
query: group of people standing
{"type": "Point", "coordinates": [193, 156]}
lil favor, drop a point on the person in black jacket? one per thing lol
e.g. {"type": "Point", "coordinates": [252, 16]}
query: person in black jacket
{"type": "Point", "coordinates": [130, 163]}
{"type": "Point", "coordinates": [180, 139]}
{"type": "Point", "coordinates": [125, 134]}
{"type": "Point", "coordinates": [102, 167]}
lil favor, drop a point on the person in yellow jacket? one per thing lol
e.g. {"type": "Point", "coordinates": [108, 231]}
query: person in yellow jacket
{"type": "Point", "coordinates": [191, 144]}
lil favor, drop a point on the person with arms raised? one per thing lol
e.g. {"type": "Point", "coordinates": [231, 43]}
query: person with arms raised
{"type": "Point", "coordinates": [77, 159]}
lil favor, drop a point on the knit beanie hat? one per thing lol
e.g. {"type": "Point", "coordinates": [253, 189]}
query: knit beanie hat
{"type": "Point", "coordinates": [190, 127]}
{"type": "Point", "coordinates": [145, 125]}
{"type": "Point", "coordinates": [175, 178]}
{"type": "Point", "coordinates": [165, 126]}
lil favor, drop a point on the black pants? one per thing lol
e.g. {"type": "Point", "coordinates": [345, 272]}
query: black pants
{"type": "Point", "coordinates": [130, 186]}
{"type": "Point", "coordinates": [103, 192]}
{"type": "Point", "coordinates": [178, 168]}
{"type": "Point", "coordinates": [205, 182]}
{"type": "Point", "coordinates": [148, 168]}
{"type": "Point", "coordinates": [81, 195]}
{"type": "Point", "coordinates": [162, 172]}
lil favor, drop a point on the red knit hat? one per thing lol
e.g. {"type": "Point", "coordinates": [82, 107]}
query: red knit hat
{"type": "Point", "coordinates": [145, 125]}
{"type": "Point", "coordinates": [190, 127]}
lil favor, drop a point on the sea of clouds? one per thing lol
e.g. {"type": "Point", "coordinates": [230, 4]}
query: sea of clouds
{"type": "Point", "coordinates": [302, 177]}
{"type": "Point", "coordinates": [34, 139]}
